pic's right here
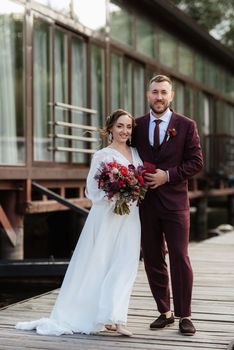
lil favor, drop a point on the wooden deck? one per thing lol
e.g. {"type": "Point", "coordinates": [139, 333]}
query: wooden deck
{"type": "Point", "coordinates": [213, 311]}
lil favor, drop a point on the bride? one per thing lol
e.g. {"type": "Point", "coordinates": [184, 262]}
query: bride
{"type": "Point", "coordinates": [96, 289]}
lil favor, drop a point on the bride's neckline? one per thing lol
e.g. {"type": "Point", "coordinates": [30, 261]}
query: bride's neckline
{"type": "Point", "coordinates": [129, 160]}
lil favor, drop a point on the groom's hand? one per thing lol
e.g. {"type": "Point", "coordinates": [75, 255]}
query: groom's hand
{"type": "Point", "coordinates": [157, 179]}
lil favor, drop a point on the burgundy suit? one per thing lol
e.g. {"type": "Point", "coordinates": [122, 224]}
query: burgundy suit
{"type": "Point", "coordinates": [165, 211]}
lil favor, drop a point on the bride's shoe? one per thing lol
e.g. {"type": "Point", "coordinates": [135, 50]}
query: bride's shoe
{"type": "Point", "coordinates": [111, 327]}
{"type": "Point", "coordinates": [122, 329]}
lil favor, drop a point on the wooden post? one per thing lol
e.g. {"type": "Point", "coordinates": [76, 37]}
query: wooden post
{"type": "Point", "coordinates": [7, 250]}
{"type": "Point", "coordinates": [201, 219]}
{"type": "Point", "coordinates": [231, 210]}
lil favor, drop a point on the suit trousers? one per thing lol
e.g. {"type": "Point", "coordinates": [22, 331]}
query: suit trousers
{"type": "Point", "coordinates": [159, 226]}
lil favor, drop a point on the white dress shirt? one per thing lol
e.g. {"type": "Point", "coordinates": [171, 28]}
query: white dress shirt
{"type": "Point", "coordinates": [165, 119]}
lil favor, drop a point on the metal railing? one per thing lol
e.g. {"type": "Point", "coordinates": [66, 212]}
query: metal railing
{"type": "Point", "coordinates": [88, 129]}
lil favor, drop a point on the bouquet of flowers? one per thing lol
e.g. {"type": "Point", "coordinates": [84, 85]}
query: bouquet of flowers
{"type": "Point", "coordinates": [122, 184]}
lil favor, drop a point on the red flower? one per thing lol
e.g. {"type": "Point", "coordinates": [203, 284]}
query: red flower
{"type": "Point", "coordinates": [122, 184]}
{"type": "Point", "coordinates": [140, 179]}
{"type": "Point", "coordinates": [171, 132]}
{"type": "Point", "coordinates": [123, 170]}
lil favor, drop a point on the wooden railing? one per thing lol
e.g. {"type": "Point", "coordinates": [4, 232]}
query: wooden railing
{"type": "Point", "coordinates": [60, 199]}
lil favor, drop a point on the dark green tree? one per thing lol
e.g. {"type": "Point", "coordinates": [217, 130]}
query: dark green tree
{"type": "Point", "coordinates": [216, 16]}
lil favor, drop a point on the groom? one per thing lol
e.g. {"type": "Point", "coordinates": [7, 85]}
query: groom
{"type": "Point", "coordinates": [170, 142]}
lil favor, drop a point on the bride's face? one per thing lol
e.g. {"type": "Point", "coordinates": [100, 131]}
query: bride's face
{"type": "Point", "coordinates": [122, 129]}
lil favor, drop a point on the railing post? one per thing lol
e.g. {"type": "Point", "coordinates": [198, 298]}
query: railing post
{"type": "Point", "coordinates": [201, 219]}
{"type": "Point", "coordinates": [231, 210]}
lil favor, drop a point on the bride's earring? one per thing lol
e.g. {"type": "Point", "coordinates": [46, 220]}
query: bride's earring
{"type": "Point", "coordinates": [130, 140]}
{"type": "Point", "coordinates": [110, 137]}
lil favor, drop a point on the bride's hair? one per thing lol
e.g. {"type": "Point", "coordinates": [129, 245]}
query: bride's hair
{"type": "Point", "coordinates": [112, 118]}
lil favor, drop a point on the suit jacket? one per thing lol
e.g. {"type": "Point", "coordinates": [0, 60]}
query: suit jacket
{"type": "Point", "coordinates": [181, 155]}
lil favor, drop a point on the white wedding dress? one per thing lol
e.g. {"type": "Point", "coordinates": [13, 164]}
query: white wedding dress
{"type": "Point", "coordinates": [98, 282]}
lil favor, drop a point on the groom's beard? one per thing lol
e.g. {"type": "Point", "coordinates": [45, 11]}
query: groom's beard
{"type": "Point", "coordinates": [160, 109]}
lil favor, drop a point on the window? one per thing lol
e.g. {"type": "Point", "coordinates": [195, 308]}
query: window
{"type": "Point", "coordinates": [61, 89]}
{"type": "Point", "coordinates": [210, 74]}
{"type": "Point", "coordinates": [12, 119]}
{"type": "Point", "coordinates": [178, 102]}
{"type": "Point", "coordinates": [229, 85]}
{"type": "Point", "coordinates": [127, 85]}
{"type": "Point", "coordinates": [189, 102]}
{"type": "Point", "coordinates": [97, 89]}
{"type": "Point", "coordinates": [145, 37]}
{"type": "Point", "coordinates": [199, 68]}
{"type": "Point", "coordinates": [167, 49]}
{"type": "Point", "coordinates": [201, 116]}
{"type": "Point", "coordinates": [78, 94]}
{"type": "Point", "coordinates": [223, 118]}
{"type": "Point", "coordinates": [115, 81]}
{"type": "Point", "coordinates": [41, 92]}
{"type": "Point", "coordinates": [139, 90]}
{"type": "Point", "coordinates": [121, 24]}
{"type": "Point", "coordinates": [185, 60]}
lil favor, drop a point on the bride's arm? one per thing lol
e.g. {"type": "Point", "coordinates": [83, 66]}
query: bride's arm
{"type": "Point", "coordinates": [92, 191]}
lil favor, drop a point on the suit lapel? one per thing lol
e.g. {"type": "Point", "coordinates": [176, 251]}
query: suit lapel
{"type": "Point", "coordinates": [145, 130]}
{"type": "Point", "coordinates": [172, 125]}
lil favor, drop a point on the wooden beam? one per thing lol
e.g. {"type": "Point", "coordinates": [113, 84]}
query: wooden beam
{"type": "Point", "coordinates": [196, 194]}
{"type": "Point", "coordinates": [7, 227]}
{"type": "Point", "coordinates": [52, 205]}
{"type": "Point", "coordinates": [8, 185]}
{"type": "Point", "coordinates": [221, 191]}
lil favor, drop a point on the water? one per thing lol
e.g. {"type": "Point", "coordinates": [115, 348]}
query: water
{"type": "Point", "coordinates": [15, 289]}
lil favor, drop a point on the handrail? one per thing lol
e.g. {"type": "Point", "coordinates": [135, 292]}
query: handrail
{"type": "Point", "coordinates": [72, 125]}
{"type": "Point", "coordinates": [70, 149]}
{"type": "Point", "coordinates": [60, 199]}
{"type": "Point", "coordinates": [83, 138]}
{"type": "Point", "coordinates": [72, 107]}
{"type": "Point", "coordinates": [77, 138]}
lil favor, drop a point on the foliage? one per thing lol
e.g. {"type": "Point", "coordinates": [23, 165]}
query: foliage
{"type": "Point", "coordinates": [214, 15]}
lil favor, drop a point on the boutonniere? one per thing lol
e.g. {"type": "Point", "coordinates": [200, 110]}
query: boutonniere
{"type": "Point", "coordinates": [171, 133]}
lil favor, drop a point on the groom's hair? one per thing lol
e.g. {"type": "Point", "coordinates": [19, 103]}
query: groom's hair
{"type": "Point", "coordinates": [159, 79]}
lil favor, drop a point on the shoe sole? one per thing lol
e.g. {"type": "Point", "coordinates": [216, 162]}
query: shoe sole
{"type": "Point", "coordinates": [167, 325]}
{"type": "Point", "coordinates": [187, 334]}
{"type": "Point", "coordinates": [125, 335]}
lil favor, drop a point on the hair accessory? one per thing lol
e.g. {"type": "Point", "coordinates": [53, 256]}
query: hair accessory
{"type": "Point", "coordinates": [110, 137]}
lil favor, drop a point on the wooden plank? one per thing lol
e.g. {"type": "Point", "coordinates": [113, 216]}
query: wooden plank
{"type": "Point", "coordinates": [52, 205]}
{"type": "Point", "coordinates": [213, 305]}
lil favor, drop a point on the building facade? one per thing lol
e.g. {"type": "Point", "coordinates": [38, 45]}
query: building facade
{"type": "Point", "coordinates": [65, 65]}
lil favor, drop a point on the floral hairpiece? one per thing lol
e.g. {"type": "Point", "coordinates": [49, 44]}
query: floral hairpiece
{"type": "Point", "coordinates": [171, 133]}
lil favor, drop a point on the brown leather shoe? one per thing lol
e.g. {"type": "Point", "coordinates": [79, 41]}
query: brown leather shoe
{"type": "Point", "coordinates": [162, 322]}
{"type": "Point", "coordinates": [186, 327]}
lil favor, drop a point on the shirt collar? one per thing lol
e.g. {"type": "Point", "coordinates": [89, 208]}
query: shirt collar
{"type": "Point", "coordinates": [165, 117]}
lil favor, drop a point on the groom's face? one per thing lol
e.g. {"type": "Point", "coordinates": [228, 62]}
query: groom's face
{"type": "Point", "coordinates": [160, 95]}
